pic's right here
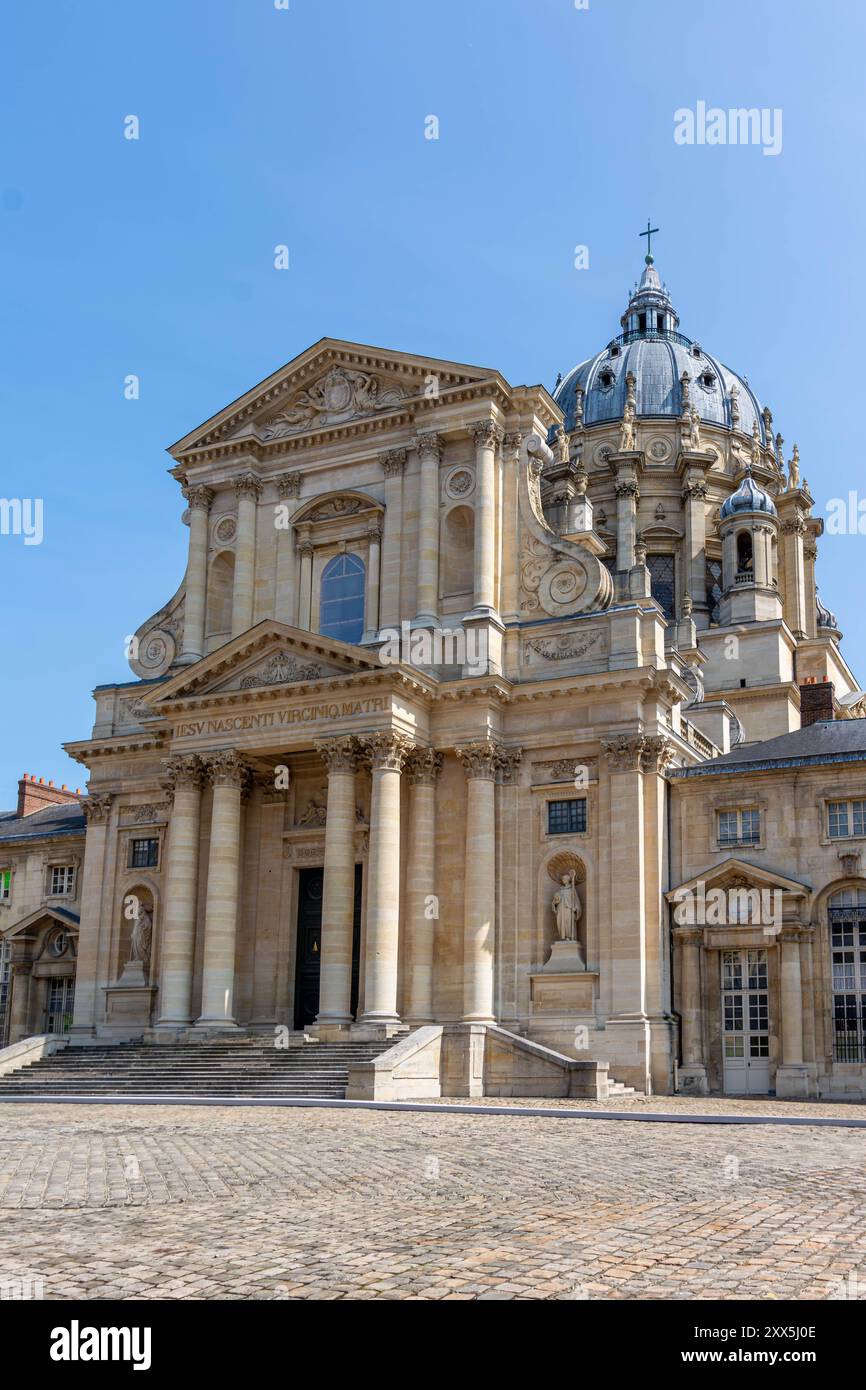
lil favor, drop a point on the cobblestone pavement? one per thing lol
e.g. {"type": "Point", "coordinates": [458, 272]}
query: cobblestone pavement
{"type": "Point", "coordinates": [181, 1202]}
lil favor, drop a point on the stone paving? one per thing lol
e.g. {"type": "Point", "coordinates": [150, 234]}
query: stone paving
{"type": "Point", "coordinates": [183, 1202]}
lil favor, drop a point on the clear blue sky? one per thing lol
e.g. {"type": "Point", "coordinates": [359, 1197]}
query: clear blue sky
{"type": "Point", "coordinates": [306, 127]}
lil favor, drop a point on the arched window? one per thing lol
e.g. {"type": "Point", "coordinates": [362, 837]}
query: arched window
{"type": "Point", "coordinates": [341, 600]}
{"type": "Point", "coordinates": [744, 553]}
{"type": "Point", "coordinates": [847, 913]}
{"type": "Point", "coordinates": [663, 582]}
{"type": "Point", "coordinates": [219, 594]}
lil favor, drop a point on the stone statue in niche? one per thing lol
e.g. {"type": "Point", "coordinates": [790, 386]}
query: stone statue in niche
{"type": "Point", "coordinates": [142, 935]}
{"type": "Point", "coordinates": [566, 908]}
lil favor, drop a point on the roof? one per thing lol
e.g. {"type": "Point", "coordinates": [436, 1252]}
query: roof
{"type": "Point", "coordinates": [826, 741]}
{"type": "Point", "coordinates": [65, 819]}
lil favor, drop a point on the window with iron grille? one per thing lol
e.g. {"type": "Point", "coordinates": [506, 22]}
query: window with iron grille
{"type": "Point", "coordinates": [847, 913]}
{"type": "Point", "coordinates": [62, 880]}
{"type": "Point", "coordinates": [740, 827]}
{"type": "Point", "coordinates": [662, 582]}
{"type": "Point", "coordinates": [566, 817]}
{"type": "Point", "coordinates": [143, 854]}
{"type": "Point", "coordinates": [846, 819]}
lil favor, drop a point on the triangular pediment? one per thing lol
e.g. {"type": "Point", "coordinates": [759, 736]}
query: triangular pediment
{"type": "Point", "coordinates": [270, 655]}
{"type": "Point", "coordinates": [331, 385]}
{"type": "Point", "coordinates": [738, 873]}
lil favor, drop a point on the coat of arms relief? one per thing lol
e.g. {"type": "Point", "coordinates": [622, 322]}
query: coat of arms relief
{"type": "Point", "coordinates": [337, 396]}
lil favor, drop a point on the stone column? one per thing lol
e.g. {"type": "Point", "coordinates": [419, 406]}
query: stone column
{"type": "Point", "coordinates": [810, 555]}
{"type": "Point", "coordinates": [195, 597]}
{"type": "Point", "coordinates": [340, 756]}
{"type": "Point", "coordinates": [694, 497]}
{"type": "Point", "coordinates": [305, 595]}
{"type": "Point", "coordinates": [511, 527]}
{"type": "Point", "coordinates": [20, 979]}
{"type": "Point", "coordinates": [480, 762]}
{"type": "Point", "coordinates": [285, 594]}
{"type": "Point", "coordinates": [185, 775]}
{"type": "Point", "coordinates": [267, 962]}
{"type": "Point", "coordinates": [487, 436]}
{"type": "Point", "coordinates": [627, 498]}
{"type": "Point", "coordinates": [88, 994]}
{"type": "Point", "coordinates": [248, 489]}
{"type": "Point", "coordinates": [371, 601]}
{"type": "Point", "coordinates": [429, 452]}
{"type": "Point", "coordinates": [692, 1076]}
{"type": "Point", "coordinates": [422, 913]}
{"type": "Point", "coordinates": [393, 465]}
{"type": "Point", "coordinates": [387, 752]}
{"type": "Point", "coordinates": [228, 776]}
{"type": "Point", "coordinates": [628, 873]}
{"type": "Point", "coordinates": [794, 567]}
{"type": "Point", "coordinates": [791, 1001]}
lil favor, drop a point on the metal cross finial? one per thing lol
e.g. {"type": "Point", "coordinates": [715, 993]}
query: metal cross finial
{"type": "Point", "coordinates": [649, 234]}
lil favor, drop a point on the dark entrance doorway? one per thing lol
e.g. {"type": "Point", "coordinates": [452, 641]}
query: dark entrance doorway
{"type": "Point", "coordinates": [308, 958]}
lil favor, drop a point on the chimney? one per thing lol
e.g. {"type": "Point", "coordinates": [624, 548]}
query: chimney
{"type": "Point", "coordinates": [816, 701]}
{"type": "Point", "coordinates": [35, 795]}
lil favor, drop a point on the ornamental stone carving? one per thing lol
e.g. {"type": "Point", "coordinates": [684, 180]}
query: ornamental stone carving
{"type": "Point", "coordinates": [486, 434]}
{"type": "Point", "coordinates": [315, 812]}
{"type": "Point", "coordinates": [225, 530]}
{"type": "Point", "coordinates": [430, 443]}
{"type": "Point", "coordinates": [198, 497]}
{"type": "Point", "coordinates": [423, 766]}
{"type": "Point", "coordinates": [627, 488]}
{"type": "Point", "coordinates": [288, 485]}
{"type": "Point", "coordinates": [566, 647]}
{"type": "Point", "coordinates": [512, 441]}
{"type": "Point", "coordinates": [624, 752]}
{"type": "Point", "coordinates": [248, 485]}
{"type": "Point", "coordinates": [183, 770]}
{"type": "Point", "coordinates": [508, 766]}
{"type": "Point", "coordinates": [657, 753]}
{"type": "Point", "coordinates": [338, 396]}
{"type": "Point", "coordinates": [226, 768]}
{"type": "Point", "coordinates": [338, 754]}
{"type": "Point", "coordinates": [480, 760]}
{"type": "Point", "coordinates": [386, 751]}
{"type": "Point", "coordinates": [97, 807]}
{"type": "Point", "coordinates": [459, 484]}
{"type": "Point", "coordinates": [336, 507]}
{"type": "Point", "coordinates": [281, 669]}
{"type": "Point", "coordinates": [393, 462]}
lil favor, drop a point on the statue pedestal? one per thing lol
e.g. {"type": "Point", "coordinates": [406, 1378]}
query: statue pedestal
{"type": "Point", "coordinates": [565, 957]}
{"type": "Point", "coordinates": [128, 1004]}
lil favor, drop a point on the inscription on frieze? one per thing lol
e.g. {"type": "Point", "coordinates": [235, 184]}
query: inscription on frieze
{"type": "Point", "coordinates": [284, 718]}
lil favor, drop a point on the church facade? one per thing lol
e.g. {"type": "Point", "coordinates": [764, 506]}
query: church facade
{"type": "Point", "coordinates": [487, 712]}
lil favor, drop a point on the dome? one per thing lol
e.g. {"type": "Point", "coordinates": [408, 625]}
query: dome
{"type": "Point", "coordinates": [823, 615]}
{"type": "Point", "coordinates": [749, 497]}
{"type": "Point", "coordinates": [658, 355]}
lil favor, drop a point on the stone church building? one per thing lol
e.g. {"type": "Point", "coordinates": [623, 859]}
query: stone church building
{"type": "Point", "coordinates": [504, 726]}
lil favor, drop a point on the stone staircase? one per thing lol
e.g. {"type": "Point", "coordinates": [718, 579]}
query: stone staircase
{"type": "Point", "coordinates": [247, 1067]}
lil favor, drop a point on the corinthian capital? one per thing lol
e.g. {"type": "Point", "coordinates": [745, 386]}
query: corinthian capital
{"type": "Point", "coordinates": [480, 760]}
{"type": "Point", "coordinates": [288, 484]}
{"type": "Point", "coordinates": [97, 807]}
{"type": "Point", "coordinates": [486, 434]}
{"type": "Point", "coordinates": [182, 770]}
{"type": "Point", "coordinates": [338, 754]}
{"type": "Point", "coordinates": [423, 767]}
{"type": "Point", "coordinates": [393, 462]}
{"type": "Point", "coordinates": [657, 753]}
{"type": "Point", "coordinates": [248, 485]}
{"type": "Point", "coordinates": [387, 751]}
{"type": "Point", "coordinates": [629, 488]}
{"type": "Point", "coordinates": [198, 497]}
{"type": "Point", "coordinates": [513, 440]}
{"type": "Point", "coordinates": [625, 752]}
{"type": "Point", "coordinates": [430, 443]}
{"type": "Point", "coordinates": [227, 769]}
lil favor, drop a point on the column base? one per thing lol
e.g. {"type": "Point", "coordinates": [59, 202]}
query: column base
{"type": "Point", "coordinates": [796, 1081]}
{"type": "Point", "coordinates": [692, 1080]}
{"type": "Point", "coordinates": [215, 1025]}
{"type": "Point", "coordinates": [376, 1029]}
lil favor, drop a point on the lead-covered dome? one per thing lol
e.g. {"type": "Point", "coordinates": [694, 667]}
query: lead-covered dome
{"type": "Point", "coordinates": [652, 348]}
{"type": "Point", "coordinates": [749, 497]}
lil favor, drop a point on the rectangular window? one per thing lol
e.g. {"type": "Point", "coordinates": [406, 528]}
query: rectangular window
{"type": "Point", "coordinates": [5, 885]}
{"type": "Point", "coordinates": [143, 854]}
{"type": "Point", "coordinates": [740, 827]}
{"type": "Point", "coordinates": [846, 819]}
{"type": "Point", "coordinates": [662, 582]}
{"type": "Point", "coordinates": [62, 880]}
{"type": "Point", "coordinates": [566, 817]}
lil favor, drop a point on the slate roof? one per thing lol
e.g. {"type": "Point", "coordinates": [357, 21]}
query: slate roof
{"type": "Point", "coordinates": [67, 819]}
{"type": "Point", "coordinates": [827, 741]}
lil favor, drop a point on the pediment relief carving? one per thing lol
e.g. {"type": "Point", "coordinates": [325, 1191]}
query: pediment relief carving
{"type": "Point", "coordinates": [340, 394]}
